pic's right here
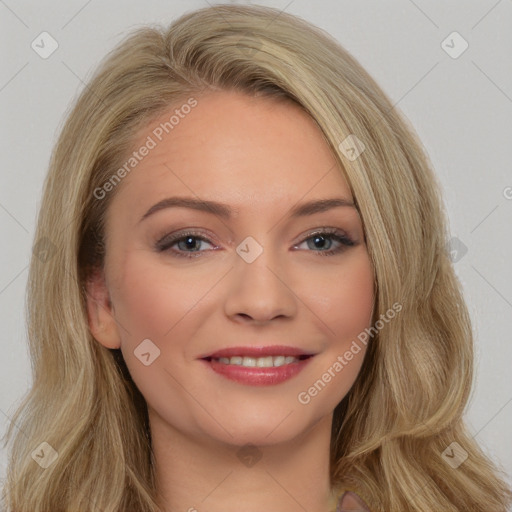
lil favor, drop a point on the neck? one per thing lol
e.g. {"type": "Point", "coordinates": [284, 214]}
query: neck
{"type": "Point", "coordinates": [195, 475]}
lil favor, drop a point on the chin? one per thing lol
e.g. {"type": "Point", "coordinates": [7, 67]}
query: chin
{"type": "Point", "coordinates": [263, 427]}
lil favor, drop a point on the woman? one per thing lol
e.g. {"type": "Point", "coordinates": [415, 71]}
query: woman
{"type": "Point", "coordinates": [193, 348]}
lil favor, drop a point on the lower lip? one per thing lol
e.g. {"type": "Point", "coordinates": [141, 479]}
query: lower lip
{"type": "Point", "coordinates": [255, 376]}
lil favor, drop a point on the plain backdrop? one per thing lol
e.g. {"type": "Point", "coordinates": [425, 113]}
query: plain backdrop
{"type": "Point", "coordinates": [459, 102]}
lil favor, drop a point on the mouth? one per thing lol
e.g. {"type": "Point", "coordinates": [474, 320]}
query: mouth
{"type": "Point", "coordinates": [258, 362]}
{"type": "Point", "coordinates": [258, 366]}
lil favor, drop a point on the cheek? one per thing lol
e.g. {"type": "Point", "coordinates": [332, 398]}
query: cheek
{"type": "Point", "coordinates": [153, 298]}
{"type": "Point", "coordinates": [154, 301]}
{"type": "Point", "coordinates": [158, 303]}
{"type": "Point", "coordinates": [344, 304]}
{"type": "Point", "coordinates": [165, 305]}
{"type": "Point", "coordinates": [343, 298]}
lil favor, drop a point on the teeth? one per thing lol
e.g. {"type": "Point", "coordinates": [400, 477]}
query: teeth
{"type": "Point", "coordinates": [265, 362]}
{"type": "Point", "coordinates": [279, 360]}
{"type": "Point", "coordinates": [259, 362]}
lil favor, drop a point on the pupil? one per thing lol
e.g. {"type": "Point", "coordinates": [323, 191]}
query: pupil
{"type": "Point", "coordinates": [190, 242]}
{"type": "Point", "coordinates": [320, 238]}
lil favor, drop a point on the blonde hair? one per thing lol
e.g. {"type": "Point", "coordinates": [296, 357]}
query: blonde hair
{"type": "Point", "coordinates": [407, 403]}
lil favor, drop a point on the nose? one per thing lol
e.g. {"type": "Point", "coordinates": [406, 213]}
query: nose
{"type": "Point", "coordinates": [261, 290]}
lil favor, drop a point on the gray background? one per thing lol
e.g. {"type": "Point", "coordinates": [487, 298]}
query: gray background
{"type": "Point", "coordinates": [461, 107]}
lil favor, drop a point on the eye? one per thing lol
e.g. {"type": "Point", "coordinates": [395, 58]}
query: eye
{"type": "Point", "coordinates": [324, 237]}
{"type": "Point", "coordinates": [187, 244]}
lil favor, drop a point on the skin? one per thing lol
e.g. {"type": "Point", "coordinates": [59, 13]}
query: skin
{"type": "Point", "coordinates": [260, 157]}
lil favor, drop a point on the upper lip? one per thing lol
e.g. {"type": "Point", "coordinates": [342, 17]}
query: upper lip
{"type": "Point", "coordinates": [257, 351]}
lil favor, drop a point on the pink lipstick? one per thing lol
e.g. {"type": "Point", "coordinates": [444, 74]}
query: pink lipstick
{"type": "Point", "coordinates": [258, 366]}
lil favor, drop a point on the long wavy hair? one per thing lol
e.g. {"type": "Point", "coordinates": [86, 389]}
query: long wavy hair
{"type": "Point", "coordinates": [406, 406]}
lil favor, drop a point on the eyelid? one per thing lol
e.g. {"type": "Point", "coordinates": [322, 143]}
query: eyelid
{"type": "Point", "coordinates": [324, 230]}
{"type": "Point", "coordinates": [207, 237]}
{"type": "Point", "coordinates": [165, 243]}
{"type": "Point", "coordinates": [183, 233]}
{"type": "Point", "coordinates": [343, 237]}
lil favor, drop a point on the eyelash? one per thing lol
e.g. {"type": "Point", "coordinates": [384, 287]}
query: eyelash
{"type": "Point", "coordinates": [165, 243]}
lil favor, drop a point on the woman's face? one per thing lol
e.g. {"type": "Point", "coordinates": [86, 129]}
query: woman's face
{"type": "Point", "coordinates": [258, 283]}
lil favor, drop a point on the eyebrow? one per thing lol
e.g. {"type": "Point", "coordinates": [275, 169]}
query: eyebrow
{"type": "Point", "coordinates": [224, 211]}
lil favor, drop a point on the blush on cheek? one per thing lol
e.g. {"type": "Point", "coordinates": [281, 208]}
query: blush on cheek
{"type": "Point", "coordinates": [344, 303]}
{"type": "Point", "coordinates": [154, 297]}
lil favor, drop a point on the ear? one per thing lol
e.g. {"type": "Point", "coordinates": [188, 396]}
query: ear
{"type": "Point", "coordinates": [100, 311]}
{"type": "Point", "coordinates": [352, 502]}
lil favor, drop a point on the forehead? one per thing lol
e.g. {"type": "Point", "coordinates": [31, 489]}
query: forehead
{"type": "Point", "coordinates": [234, 148]}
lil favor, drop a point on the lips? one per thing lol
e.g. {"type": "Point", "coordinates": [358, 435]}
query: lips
{"type": "Point", "coordinates": [258, 351]}
{"type": "Point", "coordinates": [257, 365]}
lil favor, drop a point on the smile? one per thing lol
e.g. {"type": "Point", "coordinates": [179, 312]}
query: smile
{"type": "Point", "coordinates": [259, 362]}
{"type": "Point", "coordinates": [258, 366]}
